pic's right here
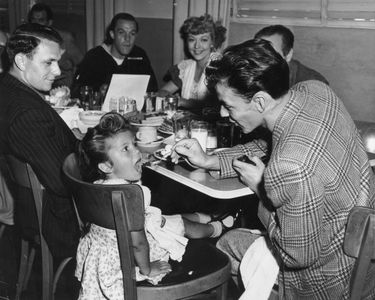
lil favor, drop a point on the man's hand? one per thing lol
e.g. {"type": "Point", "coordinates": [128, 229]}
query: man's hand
{"type": "Point", "coordinates": [191, 150]}
{"type": "Point", "coordinates": [250, 174]}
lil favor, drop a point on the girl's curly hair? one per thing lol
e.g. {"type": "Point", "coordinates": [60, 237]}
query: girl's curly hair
{"type": "Point", "coordinates": [92, 150]}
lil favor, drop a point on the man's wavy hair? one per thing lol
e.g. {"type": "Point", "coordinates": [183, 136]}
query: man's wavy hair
{"type": "Point", "coordinates": [93, 150]}
{"type": "Point", "coordinates": [28, 36]}
{"type": "Point", "coordinates": [248, 68]}
{"type": "Point", "coordinates": [111, 27]}
{"type": "Point", "coordinates": [204, 24]}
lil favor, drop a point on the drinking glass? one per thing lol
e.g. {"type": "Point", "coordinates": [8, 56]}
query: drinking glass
{"type": "Point", "coordinates": [180, 127]}
{"type": "Point", "coordinates": [170, 105]}
{"type": "Point", "coordinates": [211, 137]}
{"type": "Point", "coordinates": [85, 96]}
{"type": "Point", "coordinates": [199, 131]}
{"type": "Point", "coordinates": [224, 130]}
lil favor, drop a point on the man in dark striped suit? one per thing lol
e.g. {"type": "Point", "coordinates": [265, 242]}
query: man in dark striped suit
{"type": "Point", "coordinates": [31, 130]}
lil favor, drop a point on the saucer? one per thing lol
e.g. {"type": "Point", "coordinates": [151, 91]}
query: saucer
{"type": "Point", "coordinates": [157, 142]}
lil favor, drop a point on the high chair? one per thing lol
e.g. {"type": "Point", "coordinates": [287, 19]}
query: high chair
{"type": "Point", "coordinates": [121, 208]}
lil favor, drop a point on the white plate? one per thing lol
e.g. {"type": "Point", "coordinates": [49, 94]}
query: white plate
{"type": "Point", "coordinates": [151, 144]}
{"type": "Point", "coordinates": [145, 125]}
{"type": "Point", "coordinates": [165, 131]}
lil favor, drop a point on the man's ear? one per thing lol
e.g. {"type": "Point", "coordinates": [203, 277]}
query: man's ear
{"type": "Point", "coordinates": [289, 56]}
{"type": "Point", "coordinates": [260, 101]}
{"type": "Point", "coordinates": [105, 167]}
{"type": "Point", "coordinates": [112, 34]}
{"type": "Point", "coordinates": [20, 61]}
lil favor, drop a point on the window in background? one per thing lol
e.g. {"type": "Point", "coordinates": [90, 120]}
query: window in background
{"type": "Point", "coordinates": [330, 13]}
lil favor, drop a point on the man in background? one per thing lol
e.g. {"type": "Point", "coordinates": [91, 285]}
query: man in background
{"type": "Point", "coordinates": [117, 55]}
{"type": "Point", "coordinates": [32, 131]}
{"type": "Point", "coordinates": [282, 40]}
{"type": "Point", "coordinates": [42, 14]}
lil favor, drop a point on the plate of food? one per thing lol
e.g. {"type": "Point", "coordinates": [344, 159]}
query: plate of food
{"type": "Point", "coordinates": [163, 153]}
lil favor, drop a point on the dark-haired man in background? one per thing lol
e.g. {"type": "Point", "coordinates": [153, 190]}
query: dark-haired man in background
{"type": "Point", "coordinates": [42, 14]}
{"type": "Point", "coordinates": [117, 55]}
{"type": "Point", "coordinates": [32, 131]}
{"type": "Point", "coordinates": [282, 40]}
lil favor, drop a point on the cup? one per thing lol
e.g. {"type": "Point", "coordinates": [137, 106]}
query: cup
{"type": "Point", "coordinates": [224, 131]}
{"type": "Point", "coordinates": [147, 134]}
{"type": "Point", "coordinates": [180, 128]}
{"type": "Point", "coordinates": [199, 131]}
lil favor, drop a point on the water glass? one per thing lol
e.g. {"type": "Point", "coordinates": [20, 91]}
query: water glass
{"type": "Point", "coordinates": [224, 130]}
{"type": "Point", "coordinates": [170, 105]}
{"type": "Point", "coordinates": [211, 137]}
{"type": "Point", "coordinates": [199, 131]}
{"type": "Point", "coordinates": [180, 127]}
{"type": "Point", "coordinates": [85, 96]}
{"type": "Point", "coordinates": [96, 101]}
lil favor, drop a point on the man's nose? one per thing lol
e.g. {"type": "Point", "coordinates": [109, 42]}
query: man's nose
{"type": "Point", "coordinates": [56, 69]}
{"type": "Point", "coordinates": [223, 111]}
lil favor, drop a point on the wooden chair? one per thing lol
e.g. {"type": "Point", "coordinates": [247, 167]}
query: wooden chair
{"type": "Point", "coordinates": [23, 175]}
{"type": "Point", "coordinates": [121, 207]}
{"type": "Point", "coordinates": [359, 242]}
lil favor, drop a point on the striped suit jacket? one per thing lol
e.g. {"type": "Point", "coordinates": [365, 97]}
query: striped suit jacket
{"type": "Point", "coordinates": [31, 130]}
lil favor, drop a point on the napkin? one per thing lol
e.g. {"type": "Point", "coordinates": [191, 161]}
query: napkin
{"type": "Point", "coordinates": [259, 270]}
{"type": "Point", "coordinates": [71, 116]}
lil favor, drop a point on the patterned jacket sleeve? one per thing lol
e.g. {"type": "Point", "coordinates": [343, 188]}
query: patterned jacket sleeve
{"type": "Point", "coordinates": [295, 224]}
{"type": "Point", "coordinates": [254, 148]}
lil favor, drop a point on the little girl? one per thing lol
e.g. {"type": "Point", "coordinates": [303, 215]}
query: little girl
{"type": "Point", "coordinates": [108, 155]}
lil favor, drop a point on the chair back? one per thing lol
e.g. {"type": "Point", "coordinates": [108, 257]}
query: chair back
{"type": "Point", "coordinates": [23, 175]}
{"type": "Point", "coordinates": [118, 207]}
{"type": "Point", "coordinates": [359, 242]}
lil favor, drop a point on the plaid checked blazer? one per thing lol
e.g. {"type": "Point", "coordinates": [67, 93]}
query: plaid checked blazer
{"type": "Point", "coordinates": [318, 170]}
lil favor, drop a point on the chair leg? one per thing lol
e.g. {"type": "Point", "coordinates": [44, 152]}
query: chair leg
{"type": "Point", "coordinates": [29, 268]}
{"type": "Point", "coordinates": [47, 271]}
{"type": "Point", "coordinates": [58, 273]}
{"type": "Point", "coordinates": [2, 229]}
{"type": "Point", "coordinates": [24, 258]}
{"type": "Point", "coordinates": [222, 291]}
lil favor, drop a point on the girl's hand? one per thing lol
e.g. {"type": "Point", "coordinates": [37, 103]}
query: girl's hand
{"type": "Point", "coordinates": [159, 267]}
{"type": "Point", "coordinates": [250, 174]}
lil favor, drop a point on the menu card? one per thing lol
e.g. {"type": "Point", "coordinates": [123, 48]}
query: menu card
{"type": "Point", "coordinates": [127, 85]}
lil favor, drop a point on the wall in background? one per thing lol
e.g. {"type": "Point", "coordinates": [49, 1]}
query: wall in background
{"type": "Point", "coordinates": [155, 35]}
{"type": "Point", "coordinates": [346, 57]}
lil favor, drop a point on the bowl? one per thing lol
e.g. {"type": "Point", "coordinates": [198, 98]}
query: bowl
{"type": "Point", "coordinates": [91, 117]}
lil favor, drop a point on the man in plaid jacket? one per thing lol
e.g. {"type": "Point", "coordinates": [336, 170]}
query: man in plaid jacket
{"type": "Point", "coordinates": [317, 172]}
